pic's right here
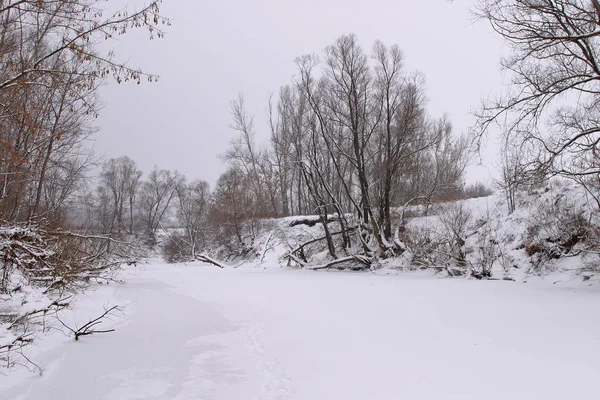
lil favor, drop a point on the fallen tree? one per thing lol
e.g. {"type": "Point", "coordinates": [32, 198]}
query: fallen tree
{"type": "Point", "coordinates": [300, 248]}
{"type": "Point", "coordinates": [362, 260]}
{"type": "Point", "coordinates": [206, 259]}
{"type": "Point", "coordinates": [312, 220]}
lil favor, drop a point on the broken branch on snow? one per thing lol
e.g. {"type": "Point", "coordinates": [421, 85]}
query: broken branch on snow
{"type": "Point", "coordinates": [88, 329]}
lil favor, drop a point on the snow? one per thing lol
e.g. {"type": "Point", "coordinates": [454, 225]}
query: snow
{"type": "Point", "coordinates": [200, 332]}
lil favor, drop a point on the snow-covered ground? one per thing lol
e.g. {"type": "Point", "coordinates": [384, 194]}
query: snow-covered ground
{"type": "Point", "coordinates": [198, 332]}
{"type": "Point", "coordinates": [554, 232]}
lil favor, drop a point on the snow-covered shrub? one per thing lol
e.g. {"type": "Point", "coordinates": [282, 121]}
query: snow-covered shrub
{"type": "Point", "coordinates": [25, 250]}
{"type": "Point", "coordinates": [456, 219]}
{"type": "Point", "coordinates": [440, 243]}
{"type": "Point", "coordinates": [421, 243]}
{"type": "Point", "coordinates": [427, 247]}
{"type": "Point", "coordinates": [176, 248]}
{"type": "Point", "coordinates": [239, 240]}
{"type": "Point", "coordinates": [475, 190]}
{"type": "Point", "coordinates": [455, 242]}
{"type": "Point", "coordinates": [232, 247]}
{"type": "Point", "coordinates": [486, 250]}
{"type": "Point", "coordinates": [557, 229]}
{"type": "Point", "coordinates": [58, 259]}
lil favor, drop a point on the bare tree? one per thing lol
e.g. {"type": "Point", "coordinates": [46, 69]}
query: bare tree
{"type": "Point", "coordinates": [43, 135]}
{"type": "Point", "coordinates": [50, 69]}
{"type": "Point", "coordinates": [552, 107]}
{"type": "Point", "coordinates": [232, 212]}
{"type": "Point", "coordinates": [326, 169]}
{"type": "Point", "coordinates": [511, 175]}
{"type": "Point", "coordinates": [245, 155]}
{"type": "Point", "coordinates": [402, 129]}
{"type": "Point", "coordinates": [132, 177]}
{"type": "Point", "coordinates": [284, 122]}
{"type": "Point", "coordinates": [192, 212]}
{"type": "Point", "coordinates": [348, 79]}
{"type": "Point", "coordinates": [155, 197]}
{"type": "Point", "coordinates": [456, 220]}
{"type": "Point", "coordinates": [388, 82]}
{"type": "Point", "coordinates": [50, 28]}
{"type": "Point", "coordinates": [120, 177]}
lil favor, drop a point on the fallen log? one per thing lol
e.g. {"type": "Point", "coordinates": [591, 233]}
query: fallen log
{"type": "Point", "coordinates": [364, 260]}
{"type": "Point", "coordinates": [206, 259]}
{"type": "Point", "coordinates": [312, 220]}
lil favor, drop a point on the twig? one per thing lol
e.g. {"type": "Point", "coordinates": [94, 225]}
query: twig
{"type": "Point", "coordinates": [31, 362]}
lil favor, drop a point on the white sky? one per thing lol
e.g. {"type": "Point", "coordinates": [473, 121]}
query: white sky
{"type": "Point", "coordinates": [217, 49]}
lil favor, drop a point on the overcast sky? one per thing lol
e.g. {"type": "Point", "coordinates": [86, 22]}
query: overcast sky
{"type": "Point", "coordinates": [217, 49]}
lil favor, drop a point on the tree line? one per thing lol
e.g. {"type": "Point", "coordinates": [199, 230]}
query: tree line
{"type": "Point", "coordinates": [350, 139]}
